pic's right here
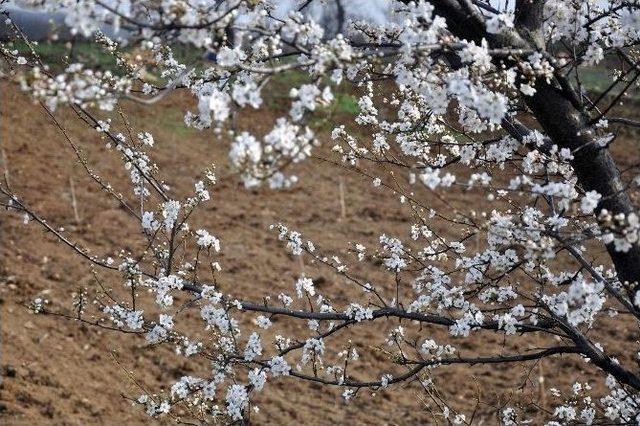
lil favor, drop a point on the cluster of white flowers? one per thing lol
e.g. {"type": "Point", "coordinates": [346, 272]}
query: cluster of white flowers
{"type": "Point", "coordinates": [431, 348]}
{"type": "Point", "coordinates": [621, 230]}
{"type": "Point", "coordinates": [122, 317]}
{"type": "Point", "coordinates": [307, 97]}
{"type": "Point", "coordinates": [219, 318]}
{"type": "Point", "coordinates": [278, 366]}
{"type": "Point", "coordinates": [148, 222]}
{"type": "Point", "coordinates": [253, 348]}
{"type": "Point", "coordinates": [313, 349]}
{"type": "Point", "coordinates": [580, 304]}
{"type": "Point", "coordinates": [397, 259]}
{"type": "Point", "coordinates": [170, 211]}
{"type": "Point", "coordinates": [77, 86]}
{"type": "Point", "coordinates": [206, 240]}
{"type": "Point", "coordinates": [164, 286]}
{"type": "Point", "coordinates": [237, 399]}
{"type": "Point", "coordinates": [304, 286]}
{"type": "Point", "coordinates": [262, 161]}
{"type": "Point", "coordinates": [358, 312]}
{"type": "Point", "coordinates": [589, 202]}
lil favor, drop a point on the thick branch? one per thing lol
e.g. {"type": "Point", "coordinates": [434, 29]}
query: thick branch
{"type": "Point", "coordinates": [419, 365]}
{"type": "Point", "coordinates": [388, 312]}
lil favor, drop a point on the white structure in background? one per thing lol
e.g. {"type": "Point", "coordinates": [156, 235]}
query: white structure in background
{"type": "Point", "coordinates": [41, 25]}
{"type": "Point", "coordinates": [332, 15]}
{"type": "Point", "coordinates": [374, 11]}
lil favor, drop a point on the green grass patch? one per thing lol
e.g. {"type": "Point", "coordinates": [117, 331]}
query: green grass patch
{"type": "Point", "coordinates": [346, 103]}
{"type": "Point", "coordinates": [58, 55]}
{"type": "Point", "coordinates": [173, 121]}
{"type": "Point", "coordinates": [596, 80]}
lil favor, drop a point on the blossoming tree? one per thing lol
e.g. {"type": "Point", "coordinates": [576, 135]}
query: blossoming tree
{"type": "Point", "coordinates": [453, 93]}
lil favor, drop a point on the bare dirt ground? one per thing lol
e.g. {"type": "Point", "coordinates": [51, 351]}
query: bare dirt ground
{"type": "Point", "coordinates": [56, 371]}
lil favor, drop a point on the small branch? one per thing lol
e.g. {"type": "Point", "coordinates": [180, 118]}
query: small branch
{"type": "Point", "coordinates": [497, 359]}
{"type": "Point", "coordinates": [172, 85]}
{"type": "Point", "coordinates": [624, 121]}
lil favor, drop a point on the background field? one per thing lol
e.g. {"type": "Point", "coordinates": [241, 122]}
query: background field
{"type": "Point", "coordinates": [59, 372]}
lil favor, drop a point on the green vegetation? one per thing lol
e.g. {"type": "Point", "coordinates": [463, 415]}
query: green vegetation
{"type": "Point", "coordinates": [276, 97]}
{"type": "Point", "coordinates": [345, 103]}
{"type": "Point", "coordinates": [58, 55]}
{"type": "Point", "coordinates": [596, 80]}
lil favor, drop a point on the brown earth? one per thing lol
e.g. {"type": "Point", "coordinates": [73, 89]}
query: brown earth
{"type": "Point", "coordinates": [56, 371]}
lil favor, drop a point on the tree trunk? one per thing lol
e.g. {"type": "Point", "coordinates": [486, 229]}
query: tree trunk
{"type": "Point", "coordinates": [340, 17]}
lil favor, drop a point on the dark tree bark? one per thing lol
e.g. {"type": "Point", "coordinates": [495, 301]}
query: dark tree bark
{"type": "Point", "coordinates": [340, 16]}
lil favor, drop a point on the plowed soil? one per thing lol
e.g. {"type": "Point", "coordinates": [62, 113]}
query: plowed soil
{"type": "Point", "coordinates": [57, 371]}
